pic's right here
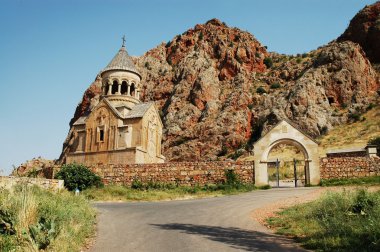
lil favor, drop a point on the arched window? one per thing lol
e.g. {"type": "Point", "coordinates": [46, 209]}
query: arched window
{"type": "Point", "coordinates": [124, 87]}
{"type": "Point", "coordinates": [106, 88]}
{"type": "Point", "coordinates": [115, 87]}
{"type": "Point", "coordinates": [133, 89]}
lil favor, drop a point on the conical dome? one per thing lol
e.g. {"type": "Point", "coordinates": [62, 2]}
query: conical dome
{"type": "Point", "coordinates": [122, 61]}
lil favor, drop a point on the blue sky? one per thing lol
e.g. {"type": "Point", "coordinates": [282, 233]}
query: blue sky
{"type": "Point", "coordinates": [50, 51]}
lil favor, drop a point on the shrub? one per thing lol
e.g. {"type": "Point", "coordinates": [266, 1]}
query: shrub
{"type": "Point", "coordinates": [370, 106]}
{"type": "Point", "coordinates": [298, 60]}
{"type": "Point", "coordinates": [78, 176]}
{"type": "Point", "coordinates": [268, 62]}
{"type": "Point", "coordinates": [354, 117]}
{"type": "Point", "coordinates": [275, 85]}
{"type": "Point", "coordinates": [201, 36]}
{"type": "Point", "coordinates": [260, 90]}
{"type": "Point", "coordinates": [231, 177]}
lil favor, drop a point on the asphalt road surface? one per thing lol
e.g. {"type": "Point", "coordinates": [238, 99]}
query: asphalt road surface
{"type": "Point", "coordinates": [213, 224]}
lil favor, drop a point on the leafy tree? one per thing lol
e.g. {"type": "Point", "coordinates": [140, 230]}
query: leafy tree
{"type": "Point", "coordinates": [78, 176]}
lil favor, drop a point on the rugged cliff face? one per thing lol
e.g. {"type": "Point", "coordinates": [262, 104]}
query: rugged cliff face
{"type": "Point", "coordinates": [364, 29]}
{"type": "Point", "coordinates": [216, 96]}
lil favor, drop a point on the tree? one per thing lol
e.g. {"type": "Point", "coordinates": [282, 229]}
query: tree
{"type": "Point", "coordinates": [78, 176]}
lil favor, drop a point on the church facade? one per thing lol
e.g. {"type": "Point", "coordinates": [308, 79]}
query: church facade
{"type": "Point", "coordinates": [120, 129]}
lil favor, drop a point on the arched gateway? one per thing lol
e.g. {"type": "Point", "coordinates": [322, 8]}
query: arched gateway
{"type": "Point", "coordinates": [285, 133]}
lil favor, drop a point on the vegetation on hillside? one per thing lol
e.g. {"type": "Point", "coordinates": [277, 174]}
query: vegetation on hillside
{"type": "Point", "coordinates": [355, 134]}
{"type": "Point", "coordinates": [348, 221]}
{"type": "Point", "coordinates": [33, 219]}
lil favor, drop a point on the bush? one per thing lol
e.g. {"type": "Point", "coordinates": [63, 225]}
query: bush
{"type": "Point", "coordinates": [354, 117]}
{"type": "Point", "coordinates": [78, 176]}
{"type": "Point", "coordinates": [370, 106]}
{"type": "Point", "coordinates": [275, 85]}
{"type": "Point", "coordinates": [260, 90]}
{"type": "Point", "coordinates": [268, 62]}
{"type": "Point", "coordinates": [201, 36]}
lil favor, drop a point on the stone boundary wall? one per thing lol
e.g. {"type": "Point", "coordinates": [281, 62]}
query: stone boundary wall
{"type": "Point", "coordinates": [349, 167]}
{"type": "Point", "coordinates": [181, 173]}
{"type": "Point", "coordinates": [51, 184]}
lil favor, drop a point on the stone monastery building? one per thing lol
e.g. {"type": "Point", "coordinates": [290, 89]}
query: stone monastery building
{"type": "Point", "coordinates": [120, 129]}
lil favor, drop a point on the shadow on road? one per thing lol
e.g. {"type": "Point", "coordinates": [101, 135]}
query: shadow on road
{"type": "Point", "coordinates": [235, 237]}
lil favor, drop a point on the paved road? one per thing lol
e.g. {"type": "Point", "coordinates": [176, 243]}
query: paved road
{"type": "Point", "coordinates": [214, 224]}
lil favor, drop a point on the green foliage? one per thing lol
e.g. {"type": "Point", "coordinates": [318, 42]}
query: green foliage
{"type": "Point", "coordinates": [354, 117]}
{"type": "Point", "coordinates": [168, 44]}
{"type": "Point", "coordinates": [231, 177]}
{"type": "Point", "coordinates": [370, 106]}
{"type": "Point", "coordinates": [235, 155]}
{"type": "Point", "coordinates": [223, 151]}
{"type": "Point", "coordinates": [348, 221]}
{"type": "Point", "coordinates": [275, 85]}
{"type": "Point", "coordinates": [374, 180]}
{"type": "Point", "coordinates": [33, 219]}
{"type": "Point", "coordinates": [43, 232]}
{"type": "Point", "coordinates": [147, 65]}
{"type": "Point", "coordinates": [268, 62]}
{"type": "Point", "coordinates": [375, 141]}
{"type": "Point", "coordinates": [298, 60]}
{"type": "Point", "coordinates": [201, 36]}
{"type": "Point", "coordinates": [260, 90]}
{"type": "Point", "coordinates": [78, 176]}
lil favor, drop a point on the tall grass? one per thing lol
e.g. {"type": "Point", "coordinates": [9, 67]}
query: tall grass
{"type": "Point", "coordinates": [155, 192]}
{"type": "Point", "coordinates": [348, 221]}
{"type": "Point", "coordinates": [33, 219]}
{"type": "Point", "coordinates": [373, 180]}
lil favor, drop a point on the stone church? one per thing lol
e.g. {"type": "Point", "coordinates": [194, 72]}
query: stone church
{"type": "Point", "coordinates": [120, 129]}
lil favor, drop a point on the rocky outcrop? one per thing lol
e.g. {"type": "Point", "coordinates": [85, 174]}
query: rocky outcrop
{"type": "Point", "coordinates": [216, 96]}
{"type": "Point", "coordinates": [364, 29]}
{"type": "Point", "coordinates": [36, 167]}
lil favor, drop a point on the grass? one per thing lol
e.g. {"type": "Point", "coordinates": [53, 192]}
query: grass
{"type": "Point", "coordinates": [374, 180]}
{"type": "Point", "coordinates": [355, 134]}
{"type": "Point", "coordinates": [33, 219]}
{"type": "Point", "coordinates": [164, 192]}
{"type": "Point", "coordinates": [346, 221]}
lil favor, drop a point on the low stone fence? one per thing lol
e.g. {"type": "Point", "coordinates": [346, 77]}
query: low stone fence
{"type": "Point", "coordinates": [349, 167]}
{"type": "Point", "coordinates": [181, 173]}
{"type": "Point", "coordinates": [51, 184]}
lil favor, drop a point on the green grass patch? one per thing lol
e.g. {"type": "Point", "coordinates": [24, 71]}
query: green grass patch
{"type": "Point", "coordinates": [346, 221]}
{"type": "Point", "coordinates": [33, 219]}
{"type": "Point", "coordinates": [163, 192]}
{"type": "Point", "coordinates": [374, 180]}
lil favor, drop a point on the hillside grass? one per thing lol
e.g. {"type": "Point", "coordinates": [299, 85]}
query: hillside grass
{"type": "Point", "coordinates": [34, 219]}
{"type": "Point", "coordinates": [345, 221]}
{"type": "Point", "coordinates": [353, 135]}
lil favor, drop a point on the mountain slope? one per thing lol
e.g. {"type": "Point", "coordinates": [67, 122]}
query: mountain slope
{"type": "Point", "coordinates": [215, 94]}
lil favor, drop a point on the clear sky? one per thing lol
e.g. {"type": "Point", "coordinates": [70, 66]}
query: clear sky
{"type": "Point", "coordinates": [50, 51]}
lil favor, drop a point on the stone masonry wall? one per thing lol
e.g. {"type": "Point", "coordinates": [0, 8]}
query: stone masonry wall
{"type": "Point", "coordinates": [52, 184]}
{"type": "Point", "coordinates": [182, 173]}
{"type": "Point", "coordinates": [349, 167]}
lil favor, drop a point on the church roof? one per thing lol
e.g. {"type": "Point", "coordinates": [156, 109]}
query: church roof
{"type": "Point", "coordinates": [139, 110]}
{"type": "Point", "coordinates": [122, 61]}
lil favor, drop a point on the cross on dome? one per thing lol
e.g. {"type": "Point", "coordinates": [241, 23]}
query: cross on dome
{"type": "Point", "coordinates": [123, 38]}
